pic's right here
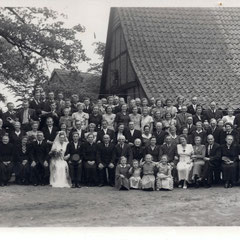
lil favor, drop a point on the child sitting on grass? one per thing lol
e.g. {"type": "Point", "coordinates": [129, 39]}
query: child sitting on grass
{"type": "Point", "coordinates": [122, 175]}
{"type": "Point", "coordinates": [164, 178]}
{"type": "Point", "coordinates": [148, 168]}
{"type": "Point", "coordinates": [135, 172]}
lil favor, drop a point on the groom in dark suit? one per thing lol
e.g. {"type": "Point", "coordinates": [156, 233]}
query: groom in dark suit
{"type": "Point", "coordinates": [74, 156]}
{"type": "Point", "coordinates": [39, 173]}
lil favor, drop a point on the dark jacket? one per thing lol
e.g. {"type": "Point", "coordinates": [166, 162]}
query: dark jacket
{"type": "Point", "coordinates": [50, 136]}
{"type": "Point", "coordinates": [105, 155]}
{"type": "Point", "coordinates": [72, 150]}
{"type": "Point", "coordinates": [39, 153]}
{"type": "Point", "coordinates": [101, 133]}
{"type": "Point", "coordinates": [131, 138]}
{"type": "Point", "coordinates": [89, 152]}
{"type": "Point", "coordinates": [126, 151]}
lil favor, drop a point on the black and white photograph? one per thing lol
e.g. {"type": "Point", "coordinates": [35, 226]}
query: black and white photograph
{"type": "Point", "coordinates": [119, 114]}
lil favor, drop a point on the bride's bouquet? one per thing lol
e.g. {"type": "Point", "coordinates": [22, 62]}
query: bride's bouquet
{"type": "Point", "coordinates": [56, 154]}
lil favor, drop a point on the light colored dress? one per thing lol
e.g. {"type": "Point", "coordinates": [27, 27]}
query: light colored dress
{"type": "Point", "coordinates": [198, 163]}
{"type": "Point", "coordinates": [148, 179]}
{"type": "Point", "coordinates": [164, 178]}
{"type": "Point", "coordinates": [110, 120]}
{"type": "Point", "coordinates": [148, 120]}
{"type": "Point", "coordinates": [173, 110]}
{"type": "Point", "coordinates": [137, 120]}
{"type": "Point", "coordinates": [83, 117]}
{"type": "Point", "coordinates": [59, 172]}
{"type": "Point", "coordinates": [185, 164]}
{"type": "Point", "coordinates": [135, 179]}
{"type": "Point", "coordinates": [228, 119]}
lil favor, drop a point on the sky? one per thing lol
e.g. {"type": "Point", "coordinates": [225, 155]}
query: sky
{"type": "Point", "coordinates": [94, 15]}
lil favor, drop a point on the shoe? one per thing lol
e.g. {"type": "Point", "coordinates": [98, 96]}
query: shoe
{"type": "Point", "coordinates": [100, 185]}
{"type": "Point", "coordinates": [226, 185]}
{"type": "Point", "coordinates": [42, 184]}
{"type": "Point", "coordinates": [78, 186]}
{"type": "Point", "coordinates": [35, 184]}
{"type": "Point", "coordinates": [197, 185]}
{"type": "Point", "coordinates": [207, 185]}
{"type": "Point", "coordinates": [2, 185]}
{"type": "Point", "coordinates": [111, 185]}
{"type": "Point", "coordinates": [73, 185]}
{"type": "Point", "coordinates": [230, 185]}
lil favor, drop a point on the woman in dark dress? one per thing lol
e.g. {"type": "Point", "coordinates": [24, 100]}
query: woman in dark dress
{"type": "Point", "coordinates": [6, 161]}
{"type": "Point", "coordinates": [229, 161]}
{"type": "Point", "coordinates": [89, 149]}
{"type": "Point", "coordinates": [21, 159]}
{"type": "Point", "coordinates": [153, 150]}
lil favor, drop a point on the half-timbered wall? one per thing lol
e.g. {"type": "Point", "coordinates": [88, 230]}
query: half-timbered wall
{"type": "Point", "coordinates": [121, 78]}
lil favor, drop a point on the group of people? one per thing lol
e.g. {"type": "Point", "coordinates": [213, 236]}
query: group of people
{"type": "Point", "coordinates": [139, 144]}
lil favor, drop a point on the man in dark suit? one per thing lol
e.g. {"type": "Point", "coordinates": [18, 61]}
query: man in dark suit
{"type": "Point", "coordinates": [212, 165]}
{"type": "Point", "coordinates": [50, 131]}
{"type": "Point", "coordinates": [74, 157]}
{"type": "Point", "coordinates": [105, 130]}
{"type": "Point", "coordinates": [213, 112]}
{"type": "Point", "coordinates": [191, 128]}
{"type": "Point", "coordinates": [170, 149]}
{"type": "Point", "coordinates": [16, 135]}
{"type": "Point", "coordinates": [39, 173]}
{"type": "Point", "coordinates": [53, 114]}
{"type": "Point", "coordinates": [181, 118]}
{"type": "Point", "coordinates": [122, 149]}
{"type": "Point", "coordinates": [214, 130]}
{"type": "Point", "coordinates": [36, 103]}
{"type": "Point", "coordinates": [26, 116]}
{"type": "Point", "coordinates": [131, 134]}
{"type": "Point", "coordinates": [105, 161]}
{"type": "Point", "coordinates": [45, 107]}
{"type": "Point", "coordinates": [80, 132]}
{"type": "Point", "coordinates": [9, 117]}
{"type": "Point", "coordinates": [159, 134]}
{"type": "Point", "coordinates": [193, 107]}
{"type": "Point", "coordinates": [87, 107]}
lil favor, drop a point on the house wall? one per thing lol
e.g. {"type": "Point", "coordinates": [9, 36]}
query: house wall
{"type": "Point", "coordinates": [120, 78]}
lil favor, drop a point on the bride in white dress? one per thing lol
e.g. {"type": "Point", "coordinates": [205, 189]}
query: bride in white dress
{"type": "Point", "coordinates": [59, 172]}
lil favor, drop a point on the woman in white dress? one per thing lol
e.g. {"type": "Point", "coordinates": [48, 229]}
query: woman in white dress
{"type": "Point", "coordinates": [184, 166]}
{"type": "Point", "coordinates": [59, 172]}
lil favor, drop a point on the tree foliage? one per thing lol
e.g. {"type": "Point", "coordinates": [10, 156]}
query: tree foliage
{"type": "Point", "coordinates": [31, 39]}
{"type": "Point", "coordinates": [100, 51]}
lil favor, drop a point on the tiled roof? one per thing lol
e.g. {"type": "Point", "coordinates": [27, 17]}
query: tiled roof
{"type": "Point", "coordinates": [87, 84]}
{"type": "Point", "coordinates": [65, 75]}
{"type": "Point", "coordinates": [185, 51]}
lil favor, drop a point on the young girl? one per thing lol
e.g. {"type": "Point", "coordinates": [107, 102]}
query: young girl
{"type": "Point", "coordinates": [164, 177]}
{"type": "Point", "coordinates": [135, 172]}
{"type": "Point", "coordinates": [122, 175]}
{"type": "Point", "coordinates": [148, 179]}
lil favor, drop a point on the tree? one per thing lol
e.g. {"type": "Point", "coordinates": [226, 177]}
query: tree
{"type": "Point", "coordinates": [100, 51]}
{"type": "Point", "coordinates": [31, 39]}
